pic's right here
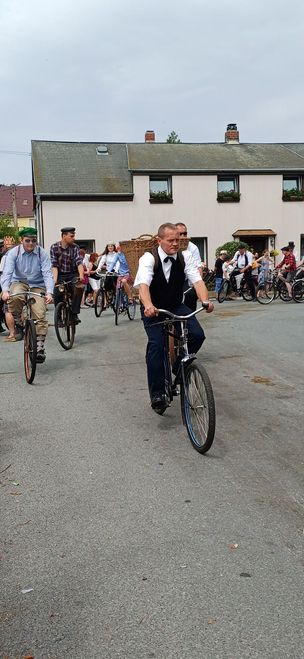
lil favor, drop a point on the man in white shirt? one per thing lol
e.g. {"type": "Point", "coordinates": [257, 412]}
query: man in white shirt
{"type": "Point", "coordinates": [160, 279]}
{"type": "Point", "coordinates": [190, 297]}
{"type": "Point", "coordinates": [243, 261]}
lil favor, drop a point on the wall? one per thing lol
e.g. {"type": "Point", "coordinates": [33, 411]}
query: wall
{"type": "Point", "coordinates": [195, 203]}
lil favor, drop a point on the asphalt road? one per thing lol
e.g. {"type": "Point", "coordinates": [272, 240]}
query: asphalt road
{"type": "Point", "coordinates": [130, 543]}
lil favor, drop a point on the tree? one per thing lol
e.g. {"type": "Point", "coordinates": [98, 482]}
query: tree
{"type": "Point", "coordinates": [173, 138]}
{"type": "Point", "coordinates": [231, 247]}
{"type": "Point", "coordinates": [7, 226]}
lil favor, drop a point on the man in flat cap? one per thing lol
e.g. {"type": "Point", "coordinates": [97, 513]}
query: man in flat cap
{"type": "Point", "coordinates": [28, 267]}
{"type": "Point", "coordinates": [66, 266]}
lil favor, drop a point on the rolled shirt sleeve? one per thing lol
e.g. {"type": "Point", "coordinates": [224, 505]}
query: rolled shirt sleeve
{"type": "Point", "coordinates": [191, 271]}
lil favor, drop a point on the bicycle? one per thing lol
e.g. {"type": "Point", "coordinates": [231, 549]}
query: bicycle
{"type": "Point", "coordinates": [196, 394]}
{"type": "Point", "coordinates": [298, 290]}
{"type": "Point", "coordinates": [105, 299]}
{"type": "Point", "coordinates": [122, 305]}
{"type": "Point", "coordinates": [64, 320]}
{"type": "Point", "coordinates": [230, 286]}
{"type": "Point", "coordinates": [28, 325]}
{"type": "Point", "coordinates": [271, 289]}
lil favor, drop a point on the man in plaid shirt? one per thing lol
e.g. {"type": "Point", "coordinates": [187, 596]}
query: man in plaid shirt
{"type": "Point", "coordinates": [288, 267]}
{"type": "Point", "coordinates": [66, 265]}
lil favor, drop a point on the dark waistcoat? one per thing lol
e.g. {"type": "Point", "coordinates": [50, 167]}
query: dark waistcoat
{"type": "Point", "coordinates": [168, 295]}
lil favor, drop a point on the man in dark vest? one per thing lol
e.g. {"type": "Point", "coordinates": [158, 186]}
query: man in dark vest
{"type": "Point", "coordinates": [160, 279]}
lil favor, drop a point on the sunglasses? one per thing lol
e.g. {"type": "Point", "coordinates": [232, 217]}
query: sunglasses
{"type": "Point", "coordinates": [30, 240]}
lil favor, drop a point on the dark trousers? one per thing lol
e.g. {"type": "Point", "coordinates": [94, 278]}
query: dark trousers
{"type": "Point", "coordinates": [76, 291]}
{"type": "Point", "coordinates": [190, 298]}
{"type": "Point", "coordinates": [249, 281]}
{"type": "Point", "coordinates": [156, 343]}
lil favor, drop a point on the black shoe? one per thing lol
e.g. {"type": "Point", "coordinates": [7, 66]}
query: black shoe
{"type": "Point", "coordinates": [158, 404]}
{"type": "Point", "coordinates": [41, 356]}
{"type": "Point", "coordinates": [76, 320]}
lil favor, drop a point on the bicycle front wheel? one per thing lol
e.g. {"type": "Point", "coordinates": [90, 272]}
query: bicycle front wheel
{"type": "Point", "coordinates": [246, 292]}
{"type": "Point", "coordinates": [265, 293]}
{"type": "Point", "coordinates": [100, 303]}
{"type": "Point", "coordinates": [30, 350]}
{"type": "Point", "coordinates": [222, 294]}
{"type": "Point", "coordinates": [117, 305]}
{"type": "Point", "coordinates": [198, 407]}
{"type": "Point", "coordinates": [64, 326]}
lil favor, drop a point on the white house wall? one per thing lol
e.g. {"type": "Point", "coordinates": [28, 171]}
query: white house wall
{"type": "Point", "coordinates": [260, 207]}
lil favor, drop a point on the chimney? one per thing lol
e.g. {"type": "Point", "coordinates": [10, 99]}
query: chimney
{"type": "Point", "coordinates": [232, 134]}
{"type": "Point", "coordinates": [149, 136]}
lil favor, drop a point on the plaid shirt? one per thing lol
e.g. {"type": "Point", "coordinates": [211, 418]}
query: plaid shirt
{"type": "Point", "coordinates": [289, 261]}
{"type": "Point", "coordinates": [66, 260]}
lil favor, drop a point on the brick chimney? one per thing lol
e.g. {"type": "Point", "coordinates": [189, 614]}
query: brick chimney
{"type": "Point", "coordinates": [149, 136]}
{"type": "Point", "coordinates": [232, 134]}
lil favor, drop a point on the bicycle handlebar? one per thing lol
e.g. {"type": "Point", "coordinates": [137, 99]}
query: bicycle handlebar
{"type": "Point", "coordinates": [28, 293]}
{"type": "Point", "coordinates": [173, 316]}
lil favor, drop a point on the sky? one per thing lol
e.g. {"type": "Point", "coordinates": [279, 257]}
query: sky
{"type": "Point", "coordinates": [108, 70]}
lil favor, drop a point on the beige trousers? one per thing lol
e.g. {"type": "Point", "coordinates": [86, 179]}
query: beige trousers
{"type": "Point", "coordinates": [15, 305]}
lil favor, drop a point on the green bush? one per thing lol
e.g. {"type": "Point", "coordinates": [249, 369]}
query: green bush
{"type": "Point", "coordinates": [231, 247]}
{"type": "Point", "coordinates": [7, 227]}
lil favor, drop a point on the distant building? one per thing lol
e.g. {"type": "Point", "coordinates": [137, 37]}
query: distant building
{"type": "Point", "coordinates": [222, 191]}
{"type": "Point", "coordinates": [17, 201]}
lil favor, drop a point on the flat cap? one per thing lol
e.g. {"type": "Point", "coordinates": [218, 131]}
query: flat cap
{"type": "Point", "coordinates": [68, 230]}
{"type": "Point", "coordinates": [27, 231]}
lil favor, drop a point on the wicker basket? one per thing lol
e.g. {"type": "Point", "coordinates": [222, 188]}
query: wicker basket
{"type": "Point", "coordinates": [135, 248]}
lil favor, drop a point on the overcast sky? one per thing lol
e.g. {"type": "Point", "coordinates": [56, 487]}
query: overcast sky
{"type": "Point", "coordinates": [107, 70]}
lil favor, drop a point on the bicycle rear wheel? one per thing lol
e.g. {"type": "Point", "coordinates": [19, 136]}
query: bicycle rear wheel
{"type": "Point", "coordinates": [222, 294]}
{"type": "Point", "coordinates": [100, 303]}
{"type": "Point", "coordinates": [283, 293]}
{"type": "Point", "coordinates": [64, 326]}
{"type": "Point", "coordinates": [30, 350]}
{"type": "Point", "coordinates": [265, 293]}
{"type": "Point", "coordinates": [198, 407]}
{"type": "Point", "coordinates": [246, 292]}
{"type": "Point", "coordinates": [298, 291]}
{"type": "Point", "coordinates": [131, 310]}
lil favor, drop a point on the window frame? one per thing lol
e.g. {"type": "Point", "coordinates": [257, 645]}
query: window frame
{"type": "Point", "coordinates": [293, 194]}
{"type": "Point", "coordinates": [229, 195]}
{"type": "Point", "coordinates": [161, 196]}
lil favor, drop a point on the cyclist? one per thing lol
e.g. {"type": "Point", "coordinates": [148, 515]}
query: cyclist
{"type": "Point", "coordinates": [160, 278]}
{"type": "Point", "coordinates": [243, 260]}
{"type": "Point", "coordinates": [26, 267]}
{"type": "Point", "coordinates": [288, 268]}
{"type": "Point", "coordinates": [66, 263]}
{"type": "Point", "coordinates": [124, 275]}
{"type": "Point", "coordinates": [105, 263]}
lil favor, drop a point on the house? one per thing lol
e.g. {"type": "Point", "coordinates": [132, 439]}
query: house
{"type": "Point", "coordinates": [222, 191]}
{"type": "Point", "coordinates": [17, 201]}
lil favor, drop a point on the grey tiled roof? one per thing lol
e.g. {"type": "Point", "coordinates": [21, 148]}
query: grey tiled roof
{"type": "Point", "coordinates": [215, 157]}
{"type": "Point", "coordinates": [74, 168]}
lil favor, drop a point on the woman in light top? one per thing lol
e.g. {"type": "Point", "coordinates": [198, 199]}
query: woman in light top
{"type": "Point", "coordinates": [107, 257]}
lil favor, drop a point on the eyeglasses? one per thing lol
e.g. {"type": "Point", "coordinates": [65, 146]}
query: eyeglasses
{"type": "Point", "coordinates": [30, 240]}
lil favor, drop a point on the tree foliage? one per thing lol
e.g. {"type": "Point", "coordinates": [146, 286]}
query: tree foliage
{"type": "Point", "coordinates": [173, 138]}
{"type": "Point", "coordinates": [7, 226]}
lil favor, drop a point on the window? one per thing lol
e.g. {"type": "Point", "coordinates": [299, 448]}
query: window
{"type": "Point", "coordinates": [293, 188]}
{"type": "Point", "coordinates": [228, 188]}
{"type": "Point", "coordinates": [202, 244]}
{"type": "Point", "coordinates": [160, 188]}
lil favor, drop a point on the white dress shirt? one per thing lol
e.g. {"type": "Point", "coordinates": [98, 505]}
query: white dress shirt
{"type": "Point", "coordinates": [145, 270]}
{"type": "Point", "coordinates": [194, 250]}
{"type": "Point", "coordinates": [240, 259]}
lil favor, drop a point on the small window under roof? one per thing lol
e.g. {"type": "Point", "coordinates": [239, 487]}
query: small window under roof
{"type": "Point", "coordinates": [102, 150]}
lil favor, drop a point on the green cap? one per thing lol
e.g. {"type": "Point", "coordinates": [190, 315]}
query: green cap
{"type": "Point", "coordinates": [27, 231]}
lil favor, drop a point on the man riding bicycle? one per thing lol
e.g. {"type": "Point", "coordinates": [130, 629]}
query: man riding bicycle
{"type": "Point", "coordinates": [288, 268]}
{"type": "Point", "coordinates": [66, 264]}
{"type": "Point", "coordinates": [28, 267]}
{"type": "Point", "coordinates": [160, 278]}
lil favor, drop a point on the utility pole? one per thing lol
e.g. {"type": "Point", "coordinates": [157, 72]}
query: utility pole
{"type": "Point", "coordinates": [14, 204]}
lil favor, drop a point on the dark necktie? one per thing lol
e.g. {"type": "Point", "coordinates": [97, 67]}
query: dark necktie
{"type": "Point", "coordinates": [169, 258]}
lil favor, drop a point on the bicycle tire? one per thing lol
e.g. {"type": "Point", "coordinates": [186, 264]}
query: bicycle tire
{"type": "Point", "coordinates": [222, 294]}
{"type": "Point", "coordinates": [198, 407]}
{"type": "Point", "coordinates": [283, 293]}
{"type": "Point", "coordinates": [246, 293]}
{"type": "Point", "coordinates": [117, 305]}
{"type": "Point", "coordinates": [298, 291]}
{"type": "Point", "coordinates": [64, 326]}
{"type": "Point", "coordinates": [267, 293]}
{"type": "Point", "coordinates": [100, 303]}
{"type": "Point", "coordinates": [30, 350]}
{"type": "Point", "coordinates": [131, 310]}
